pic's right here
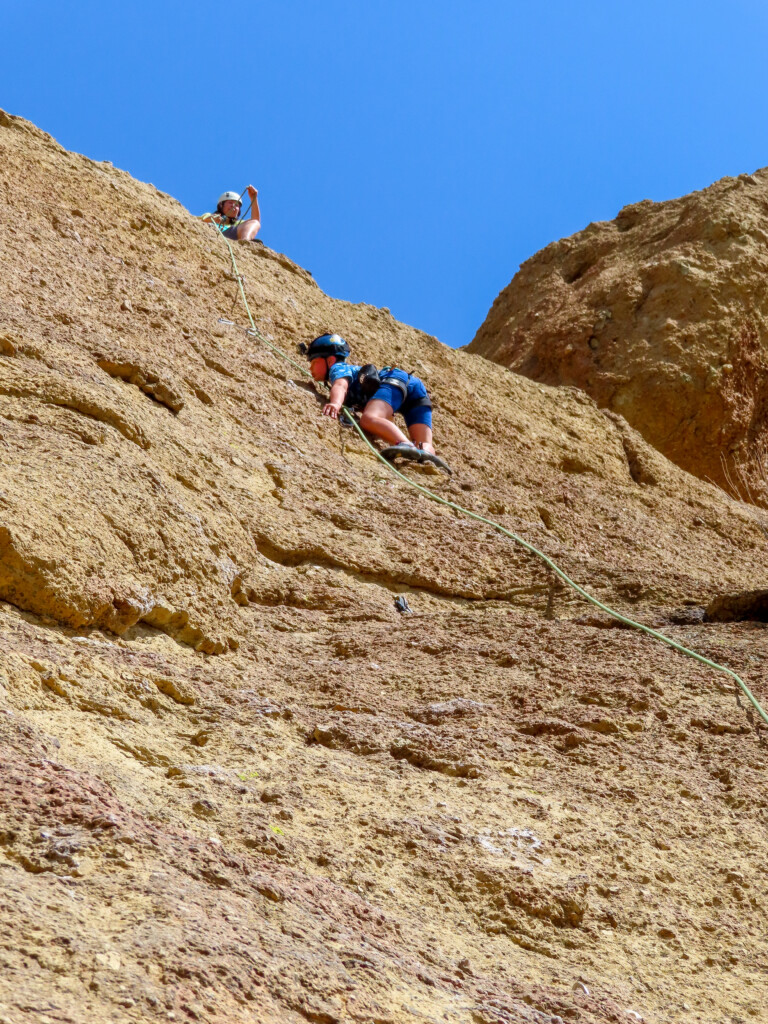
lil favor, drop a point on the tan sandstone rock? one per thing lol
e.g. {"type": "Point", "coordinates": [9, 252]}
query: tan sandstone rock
{"type": "Point", "coordinates": [238, 786]}
{"type": "Point", "coordinates": [662, 316]}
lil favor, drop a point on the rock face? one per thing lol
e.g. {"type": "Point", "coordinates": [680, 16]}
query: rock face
{"type": "Point", "coordinates": [662, 316]}
{"type": "Point", "coordinates": [238, 786]}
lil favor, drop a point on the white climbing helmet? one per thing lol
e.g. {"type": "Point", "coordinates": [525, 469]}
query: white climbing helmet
{"type": "Point", "coordinates": [228, 195]}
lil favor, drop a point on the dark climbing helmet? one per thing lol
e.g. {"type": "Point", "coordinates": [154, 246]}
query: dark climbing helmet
{"type": "Point", "coordinates": [327, 345]}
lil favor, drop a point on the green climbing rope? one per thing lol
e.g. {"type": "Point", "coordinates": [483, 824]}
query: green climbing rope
{"type": "Point", "coordinates": [497, 526]}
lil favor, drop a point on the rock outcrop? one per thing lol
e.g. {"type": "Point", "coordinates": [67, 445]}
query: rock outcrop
{"type": "Point", "coordinates": [661, 315]}
{"type": "Point", "coordinates": [238, 785]}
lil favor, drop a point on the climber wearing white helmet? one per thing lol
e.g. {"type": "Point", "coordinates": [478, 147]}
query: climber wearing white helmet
{"type": "Point", "coordinates": [227, 216]}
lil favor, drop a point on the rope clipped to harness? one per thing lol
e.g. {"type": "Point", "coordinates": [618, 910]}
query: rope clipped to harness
{"type": "Point", "coordinates": [680, 648]}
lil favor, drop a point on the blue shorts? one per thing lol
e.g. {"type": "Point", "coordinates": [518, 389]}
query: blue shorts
{"type": "Point", "coordinates": [409, 405]}
{"type": "Point", "coordinates": [231, 233]}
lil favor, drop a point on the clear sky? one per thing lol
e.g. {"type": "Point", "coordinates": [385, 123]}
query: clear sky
{"type": "Point", "coordinates": [410, 153]}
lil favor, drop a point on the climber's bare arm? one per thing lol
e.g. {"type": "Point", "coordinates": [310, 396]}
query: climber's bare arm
{"type": "Point", "coordinates": [253, 195]}
{"type": "Point", "coordinates": [336, 398]}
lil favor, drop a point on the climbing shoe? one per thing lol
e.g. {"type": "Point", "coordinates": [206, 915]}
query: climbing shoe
{"type": "Point", "coordinates": [435, 460]}
{"type": "Point", "coordinates": [404, 450]}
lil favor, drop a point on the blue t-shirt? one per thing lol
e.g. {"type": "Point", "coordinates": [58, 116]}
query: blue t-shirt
{"type": "Point", "coordinates": [341, 371]}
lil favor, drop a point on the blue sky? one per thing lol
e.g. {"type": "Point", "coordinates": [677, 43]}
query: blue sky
{"type": "Point", "coordinates": [410, 153]}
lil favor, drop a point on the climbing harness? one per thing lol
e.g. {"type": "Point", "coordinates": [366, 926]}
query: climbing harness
{"type": "Point", "coordinates": [393, 381]}
{"type": "Point", "coordinates": [530, 548]}
{"type": "Point", "coordinates": [388, 376]}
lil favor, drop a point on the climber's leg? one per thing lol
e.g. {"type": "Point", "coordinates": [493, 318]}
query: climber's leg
{"type": "Point", "coordinates": [377, 419]}
{"type": "Point", "coordinates": [247, 231]}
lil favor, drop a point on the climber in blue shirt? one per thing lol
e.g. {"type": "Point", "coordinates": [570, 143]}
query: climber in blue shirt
{"type": "Point", "coordinates": [380, 394]}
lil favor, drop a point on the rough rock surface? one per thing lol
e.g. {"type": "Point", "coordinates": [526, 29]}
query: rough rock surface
{"type": "Point", "coordinates": [662, 316]}
{"type": "Point", "coordinates": [237, 785]}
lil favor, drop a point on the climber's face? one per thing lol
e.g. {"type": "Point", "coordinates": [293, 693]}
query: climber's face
{"type": "Point", "coordinates": [230, 208]}
{"type": "Point", "coordinates": [320, 366]}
